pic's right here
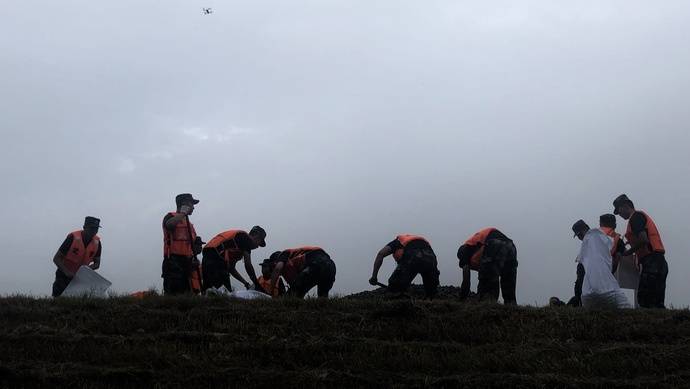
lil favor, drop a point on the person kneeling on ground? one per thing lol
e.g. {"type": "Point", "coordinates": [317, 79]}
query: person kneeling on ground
{"type": "Point", "coordinates": [221, 254]}
{"type": "Point", "coordinates": [600, 289]}
{"type": "Point", "coordinates": [413, 255]}
{"type": "Point", "coordinates": [265, 279]}
{"type": "Point", "coordinates": [494, 256]}
{"type": "Point", "coordinates": [303, 268]}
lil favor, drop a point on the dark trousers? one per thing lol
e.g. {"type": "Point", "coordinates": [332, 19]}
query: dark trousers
{"type": "Point", "coordinates": [60, 283]}
{"type": "Point", "coordinates": [498, 267]}
{"type": "Point", "coordinates": [413, 262]}
{"type": "Point", "coordinates": [214, 270]}
{"type": "Point", "coordinates": [176, 272]}
{"type": "Point", "coordinates": [651, 292]}
{"type": "Point", "coordinates": [319, 271]}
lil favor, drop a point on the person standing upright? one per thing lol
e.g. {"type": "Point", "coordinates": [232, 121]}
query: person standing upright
{"type": "Point", "coordinates": [645, 242]}
{"type": "Point", "coordinates": [181, 269]}
{"type": "Point", "coordinates": [580, 229]}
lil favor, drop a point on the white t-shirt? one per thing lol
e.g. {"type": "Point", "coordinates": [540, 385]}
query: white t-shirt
{"type": "Point", "coordinates": [595, 256]}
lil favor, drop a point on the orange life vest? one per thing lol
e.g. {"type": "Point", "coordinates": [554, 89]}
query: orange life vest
{"type": "Point", "coordinates": [478, 239]}
{"type": "Point", "coordinates": [266, 285]}
{"type": "Point", "coordinates": [229, 252]}
{"type": "Point", "coordinates": [177, 241]}
{"type": "Point", "coordinates": [655, 243]}
{"type": "Point", "coordinates": [611, 232]}
{"type": "Point", "coordinates": [79, 255]}
{"type": "Point", "coordinates": [404, 240]}
{"type": "Point", "coordinates": [140, 295]}
{"type": "Point", "coordinates": [296, 261]}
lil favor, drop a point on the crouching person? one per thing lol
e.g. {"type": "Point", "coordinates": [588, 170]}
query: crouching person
{"type": "Point", "coordinates": [303, 268]}
{"type": "Point", "coordinates": [80, 248]}
{"type": "Point", "coordinates": [600, 289]}
{"type": "Point", "coordinates": [265, 280]}
{"type": "Point", "coordinates": [221, 254]}
{"type": "Point", "coordinates": [413, 255]}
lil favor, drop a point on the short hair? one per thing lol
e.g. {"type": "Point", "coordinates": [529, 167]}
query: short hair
{"type": "Point", "coordinates": [607, 220]}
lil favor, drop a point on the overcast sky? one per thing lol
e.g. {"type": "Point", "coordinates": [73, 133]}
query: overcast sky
{"type": "Point", "coordinates": [341, 124]}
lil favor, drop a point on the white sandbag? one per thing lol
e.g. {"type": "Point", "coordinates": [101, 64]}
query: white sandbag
{"type": "Point", "coordinates": [614, 299]}
{"type": "Point", "coordinates": [87, 283]}
{"type": "Point", "coordinates": [239, 294]}
{"type": "Point", "coordinates": [627, 275]}
{"type": "Point", "coordinates": [249, 295]}
{"type": "Point", "coordinates": [222, 291]}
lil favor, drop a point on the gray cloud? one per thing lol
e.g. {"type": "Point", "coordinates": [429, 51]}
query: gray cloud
{"type": "Point", "coordinates": [341, 124]}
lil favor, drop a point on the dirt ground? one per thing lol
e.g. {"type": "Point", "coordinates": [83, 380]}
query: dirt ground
{"type": "Point", "coordinates": [415, 291]}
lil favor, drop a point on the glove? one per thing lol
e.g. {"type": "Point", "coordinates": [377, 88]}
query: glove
{"type": "Point", "coordinates": [197, 246]}
{"type": "Point", "coordinates": [373, 281]}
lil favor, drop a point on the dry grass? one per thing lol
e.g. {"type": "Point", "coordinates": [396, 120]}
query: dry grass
{"type": "Point", "coordinates": [194, 342]}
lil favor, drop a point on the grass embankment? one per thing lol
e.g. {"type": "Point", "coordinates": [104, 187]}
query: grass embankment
{"type": "Point", "coordinates": [194, 342]}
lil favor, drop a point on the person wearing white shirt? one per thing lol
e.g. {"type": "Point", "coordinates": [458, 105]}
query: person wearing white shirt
{"type": "Point", "coordinates": [600, 289]}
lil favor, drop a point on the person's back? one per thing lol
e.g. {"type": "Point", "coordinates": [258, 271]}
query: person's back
{"type": "Point", "coordinates": [599, 288]}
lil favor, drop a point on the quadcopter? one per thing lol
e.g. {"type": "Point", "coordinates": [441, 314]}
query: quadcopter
{"type": "Point", "coordinates": [207, 11]}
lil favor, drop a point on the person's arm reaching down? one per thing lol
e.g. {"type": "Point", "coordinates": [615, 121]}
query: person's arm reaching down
{"type": "Point", "coordinates": [249, 268]}
{"type": "Point", "coordinates": [233, 271]}
{"type": "Point", "coordinates": [384, 252]}
{"type": "Point", "coordinates": [96, 263]}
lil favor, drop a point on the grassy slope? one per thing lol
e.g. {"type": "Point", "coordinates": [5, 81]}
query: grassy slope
{"type": "Point", "coordinates": [191, 342]}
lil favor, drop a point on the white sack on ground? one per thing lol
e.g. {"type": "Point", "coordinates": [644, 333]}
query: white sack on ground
{"type": "Point", "coordinates": [239, 294]}
{"type": "Point", "coordinates": [222, 291]}
{"type": "Point", "coordinates": [87, 283]}
{"type": "Point", "coordinates": [249, 295]}
{"type": "Point", "coordinates": [614, 299]}
{"type": "Point", "coordinates": [600, 288]}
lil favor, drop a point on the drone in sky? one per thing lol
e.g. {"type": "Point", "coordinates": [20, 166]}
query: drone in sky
{"type": "Point", "coordinates": [207, 11]}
